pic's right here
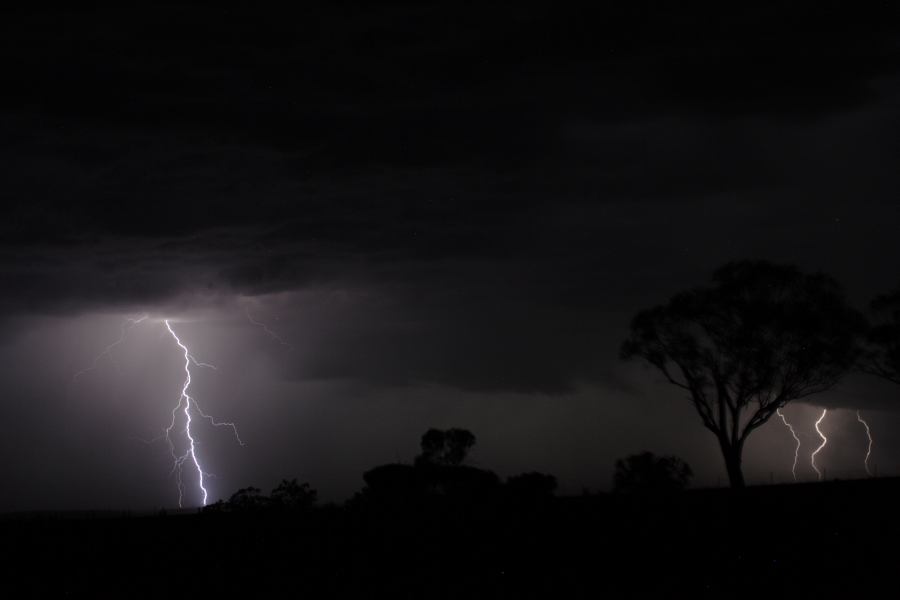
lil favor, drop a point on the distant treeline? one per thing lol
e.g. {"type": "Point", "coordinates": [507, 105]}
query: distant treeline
{"type": "Point", "coordinates": [438, 473]}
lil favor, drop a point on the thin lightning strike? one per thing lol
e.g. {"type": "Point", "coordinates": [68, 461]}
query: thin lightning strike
{"type": "Point", "coordinates": [869, 449]}
{"type": "Point", "coordinates": [812, 457]}
{"type": "Point", "coordinates": [266, 329]}
{"type": "Point", "coordinates": [796, 439]}
{"type": "Point", "coordinates": [187, 404]}
{"type": "Point", "coordinates": [126, 327]}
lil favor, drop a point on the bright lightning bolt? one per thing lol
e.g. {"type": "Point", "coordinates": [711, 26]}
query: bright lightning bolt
{"type": "Point", "coordinates": [266, 329]}
{"type": "Point", "coordinates": [796, 439]}
{"type": "Point", "coordinates": [126, 327]}
{"type": "Point", "coordinates": [187, 404]}
{"type": "Point", "coordinates": [869, 449]}
{"type": "Point", "coordinates": [812, 457]}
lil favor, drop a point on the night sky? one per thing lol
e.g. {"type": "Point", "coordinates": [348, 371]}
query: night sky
{"type": "Point", "coordinates": [447, 212]}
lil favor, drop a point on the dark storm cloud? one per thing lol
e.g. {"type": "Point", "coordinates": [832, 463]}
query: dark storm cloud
{"type": "Point", "coordinates": [514, 180]}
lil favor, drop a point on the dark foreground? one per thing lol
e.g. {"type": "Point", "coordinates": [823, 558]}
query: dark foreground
{"type": "Point", "coordinates": [824, 540]}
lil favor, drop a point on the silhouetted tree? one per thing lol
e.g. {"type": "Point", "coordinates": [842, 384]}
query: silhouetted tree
{"type": "Point", "coordinates": [445, 448]}
{"type": "Point", "coordinates": [882, 353]}
{"type": "Point", "coordinates": [247, 499]}
{"type": "Point", "coordinates": [293, 496]}
{"type": "Point", "coordinates": [761, 336]}
{"type": "Point", "coordinates": [437, 471]}
{"type": "Point", "coordinates": [646, 472]}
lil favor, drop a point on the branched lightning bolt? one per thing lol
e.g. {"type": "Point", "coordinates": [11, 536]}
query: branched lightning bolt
{"type": "Point", "coordinates": [812, 457]}
{"type": "Point", "coordinates": [203, 364]}
{"type": "Point", "coordinates": [127, 324]}
{"type": "Point", "coordinates": [187, 405]}
{"type": "Point", "coordinates": [869, 449]}
{"type": "Point", "coordinates": [266, 329]}
{"type": "Point", "coordinates": [796, 439]}
{"type": "Point", "coordinates": [215, 423]}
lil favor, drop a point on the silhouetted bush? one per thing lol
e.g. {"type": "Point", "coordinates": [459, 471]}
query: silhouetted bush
{"type": "Point", "coordinates": [247, 499]}
{"type": "Point", "coordinates": [436, 473]}
{"type": "Point", "coordinates": [289, 495]}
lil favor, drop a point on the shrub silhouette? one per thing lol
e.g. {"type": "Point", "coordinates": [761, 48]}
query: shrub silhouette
{"type": "Point", "coordinates": [287, 495]}
{"type": "Point", "coordinates": [437, 472]}
{"type": "Point", "coordinates": [247, 499]}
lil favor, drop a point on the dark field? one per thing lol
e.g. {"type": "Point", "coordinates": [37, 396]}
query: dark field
{"type": "Point", "coordinates": [835, 539]}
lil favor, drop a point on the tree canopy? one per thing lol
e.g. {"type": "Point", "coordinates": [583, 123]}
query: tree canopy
{"type": "Point", "coordinates": [882, 353]}
{"type": "Point", "coordinates": [760, 336]}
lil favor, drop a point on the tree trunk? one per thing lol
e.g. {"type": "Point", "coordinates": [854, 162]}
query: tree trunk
{"type": "Point", "coordinates": [732, 455]}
